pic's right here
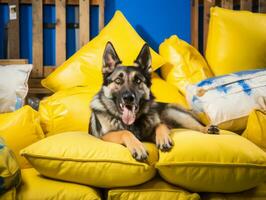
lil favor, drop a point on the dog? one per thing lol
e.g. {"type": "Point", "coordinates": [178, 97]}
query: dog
{"type": "Point", "coordinates": [124, 111]}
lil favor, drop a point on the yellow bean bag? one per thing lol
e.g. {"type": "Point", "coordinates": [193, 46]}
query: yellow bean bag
{"type": "Point", "coordinates": [82, 158]}
{"type": "Point", "coordinates": [212, 163]}
{"type": "Point", "coordinates": [37, 187]}
{"type": "Point", "coordinates": [154, 189]}
{"type": "Point", "coordinates": [84, 67]}
{"type": "Point", "coordinates": [184, 64]}
{"type": "Point", "coordinates": [256, 128]}
{"type": "Point", "coordinates": [20, 129]}
{"type": "Point", "coordinates": [236, 41]}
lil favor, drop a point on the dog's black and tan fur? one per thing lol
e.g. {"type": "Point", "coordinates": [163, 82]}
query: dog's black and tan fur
{"type": "Point", "coordinates": [124, 110]}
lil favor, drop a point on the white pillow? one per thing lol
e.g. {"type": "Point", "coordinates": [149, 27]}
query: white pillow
{"type": "Point", "coordinates": [13, 86]}
{"type": "Point", "coordinates": [226, 99]}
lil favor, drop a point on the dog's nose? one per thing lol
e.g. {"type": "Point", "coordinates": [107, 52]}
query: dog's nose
{"type": "Point", "coordinates": [128, 97]}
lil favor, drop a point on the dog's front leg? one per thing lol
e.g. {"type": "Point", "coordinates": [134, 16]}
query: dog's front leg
{"type": "Point", "coordinates": [162, 138]}
{"type": "Point", "coordinates": [128, 139]}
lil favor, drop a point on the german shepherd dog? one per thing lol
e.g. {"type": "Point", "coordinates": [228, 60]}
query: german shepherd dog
{"type": "Point", "coordinates": [124, 110]}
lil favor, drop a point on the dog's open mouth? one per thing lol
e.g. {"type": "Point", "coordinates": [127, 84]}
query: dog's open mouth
{"type": "Point", "coordinates": [128, 113]}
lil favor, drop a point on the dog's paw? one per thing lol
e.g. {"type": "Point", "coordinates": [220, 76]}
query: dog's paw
{"type": "Point", "coordinates": [212, 129]}
{"type": "Point", "coordinates": [136, 148]}
{"type": "Point", "coordinates": [163, 140]}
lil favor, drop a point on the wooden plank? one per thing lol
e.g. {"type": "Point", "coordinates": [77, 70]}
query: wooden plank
{"type": "Point", "coordinates": [228, 4]}
{"type": "Point", "coordinates": [84, 22]}
{"type": "Point", "coordinates": [195, 23]}
{"type": "Point", "coordinates": [13, 30]}
{"type": "Point", "coordinates": [13, 61]}
{"type": "Point", "coordinates": [48, 70]}
{"type": "Point", "coordinates": [60, 31]}
{"type": "Point", "coordinates": [246, 5]}
{"type": "Point", "coordinates": [101, 14]}
{"type": "Point", "coordinates": [37, 38]}
{"type": "Point", "coordinates": [262, 6]}
{"type": "Point", "coordinates": [39, 91]}
{"type": "Point", "coordinates": [207, 5]}
{"type": "Point", "coordinates": [68, 2]}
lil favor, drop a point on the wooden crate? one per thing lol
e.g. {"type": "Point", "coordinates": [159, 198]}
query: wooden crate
{"type": "Point", "coordinates": [196, 5]}
{"type": "Point", "coordinates": [39, 70]}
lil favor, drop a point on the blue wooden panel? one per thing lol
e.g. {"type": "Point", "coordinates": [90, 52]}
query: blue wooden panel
{"type": "Point", "coordinates": [70, 33]}
{"type": "Point", "coordinates": [3, 23]}
{"type": "Point", "coordinates": [49, 36]}
{"type": "Point", "coordinates": [26, 32]}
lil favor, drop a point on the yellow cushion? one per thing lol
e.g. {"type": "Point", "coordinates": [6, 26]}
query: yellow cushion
{"type": "Point", "coordinates": [68, 110]}
{"type": "Point", "coordinates": [236, 41]}
{"type": "Point", "coordinates": [154, 189]}
{"type": "Point", "coordinates": [256, 128]}
{"type": "Point", "coordinates": [257, 193]}
{"type": "Point", "coordinates": [165, 92]}
{"type": "Point", "coordinates": [9, 169]}
{"type": "Point", "coordinates": [212, 163]}
{"type": "Point", "coordinates": [81, 158]}
{"type": "Point", "coordinates": [84, 67]}
{"type": "Point", "coordinates": [9, 195]}
{"type": "Point", "coordinates": [34, 186]}
{"type": "Point", "coordinates": [184, 64]}
{"type": "Point", "coordinates": [20, 129]}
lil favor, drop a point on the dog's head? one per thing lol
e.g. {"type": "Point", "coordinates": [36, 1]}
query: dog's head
{"type": "Point", "coordinates": [127, 86]}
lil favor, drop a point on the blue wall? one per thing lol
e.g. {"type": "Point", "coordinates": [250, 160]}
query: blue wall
{"type": "Point", "coordinates": [154, 20]}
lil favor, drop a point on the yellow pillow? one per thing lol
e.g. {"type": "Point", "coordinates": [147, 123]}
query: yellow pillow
{"type": "Point", "coordinates": [154, 189]}
{"type": "Point", "coordinates": [256, 128]}
{"type": "Point", "coordinates": [236, 41]}
{"type": "Point", "coordinates": [9, 195]}
{"type": "Point", "coordinates": [184, 64]}
{"type": "Point", "coordinates": [84, 67]}
{"type": "Point", "coordinates": [34, 186]}
{"type": "Point", "coordinates": [66, 110]}
{"type": "Point", "coordinates": [20, 129]}
{"type": "Point", "coordinates": [212, 163]}
{"type": "Point", "coordinates": [165, 92]}
{"type": "Point", "coordinates": [81, 158]}
{"type": "Point", "coordinates": [257, 193]}
{"type": "Point", "coordinates": [9, 169]}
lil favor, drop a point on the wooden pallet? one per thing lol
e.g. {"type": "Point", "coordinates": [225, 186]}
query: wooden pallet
{"type": "Point", "coordinates": [39, 70]}
{"type": "Point", "coordinates": [251, 5]}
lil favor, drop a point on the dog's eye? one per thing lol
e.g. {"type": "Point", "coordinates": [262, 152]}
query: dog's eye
{"type": "Point", "coordinates": [118, 81]}
{"type": "Point", "coordinates": [138, 81]}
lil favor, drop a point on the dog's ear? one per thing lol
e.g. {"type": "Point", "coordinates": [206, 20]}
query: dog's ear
{"type": "Point", "coordinates": [144, 59]}
{"type": "Point", "coordinates": [110, 59]}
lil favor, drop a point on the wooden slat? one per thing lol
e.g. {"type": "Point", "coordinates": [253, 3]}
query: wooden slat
{"type": "Point", "coordinates": [68, 2]}
{"type": "Point", "coordinates": [84, 22]}
{"type": "Point", "coordinates": [37, 38]}
{"type": "Point", "coordinates": [48, 70]}
{"type": "Point", "coordinates": [13, 61]}
{"type": "Point", "coordinates": [60, 31]}
{"type": "Point", "coordinates": [262, 6]}
{"type": "Point", "coordinates": [246, 5]}
{"type": "Point", "coordinates": [39, 91]}
{"type": "Point", "coordinates": [101, 14]}
{"type": "Point", "coordinates": [207, 5]}
{"type": "Point", "coordinates": [228, 4]}
{"type": "Point", "coordinates": [195, 23]}
{"type": "Point", "coordinates": [13, 32]}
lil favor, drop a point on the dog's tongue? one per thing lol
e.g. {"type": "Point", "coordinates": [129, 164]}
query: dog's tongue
{"type": "Point", "coordinates": [128, 116]}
